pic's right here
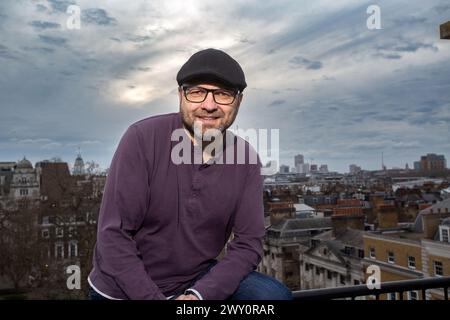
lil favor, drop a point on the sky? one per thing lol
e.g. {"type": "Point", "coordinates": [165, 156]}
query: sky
{"type": "Point", "coordinates": [339, 92]}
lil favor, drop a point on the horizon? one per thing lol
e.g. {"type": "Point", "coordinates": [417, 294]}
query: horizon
{"type": "Point", "coordinates": [339, 92]}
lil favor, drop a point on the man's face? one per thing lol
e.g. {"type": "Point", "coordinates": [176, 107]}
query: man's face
{"type": "Point", "coordinates": [208, 113]}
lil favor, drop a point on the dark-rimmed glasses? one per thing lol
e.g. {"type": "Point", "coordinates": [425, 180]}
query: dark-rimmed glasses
{"type": "Point", "coordinates": [199, 94]}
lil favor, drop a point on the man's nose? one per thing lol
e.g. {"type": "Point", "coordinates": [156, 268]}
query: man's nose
{"type": "Point", "coordinates": [209, 103]}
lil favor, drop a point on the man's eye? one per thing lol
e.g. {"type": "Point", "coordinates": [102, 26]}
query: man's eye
{"type": "Point", "coordinates": [224, 93]}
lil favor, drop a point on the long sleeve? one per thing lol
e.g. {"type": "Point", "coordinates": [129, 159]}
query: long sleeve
{"type": "Point", "coordinates": [245, 250]}
{"type": "Point", "coordinates": [124, 204]}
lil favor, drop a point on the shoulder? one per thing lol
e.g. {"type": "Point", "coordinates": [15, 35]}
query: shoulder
{"type": "Point", "coordinates": [158, 122]}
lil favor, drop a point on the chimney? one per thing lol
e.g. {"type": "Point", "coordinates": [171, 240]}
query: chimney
{"type": "Point", "coordinates": [387, 216]}
{"type": "Point", "coordinates": [341, 223]}
{"type": "Point", "coordinates": [431, 223]}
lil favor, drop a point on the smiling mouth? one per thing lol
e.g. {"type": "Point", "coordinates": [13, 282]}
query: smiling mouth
{"type": "Point", "coordinates": [208, 118]}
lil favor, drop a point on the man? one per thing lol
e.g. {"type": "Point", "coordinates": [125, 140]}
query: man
{"type": "Point", "coordinates": [163, 223]}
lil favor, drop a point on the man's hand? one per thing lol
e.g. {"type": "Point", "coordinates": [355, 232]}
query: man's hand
{"type": "Point", "coordinates": [187, 297]}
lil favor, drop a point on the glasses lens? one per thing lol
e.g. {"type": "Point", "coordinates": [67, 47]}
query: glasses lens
{"type": "Point", "coordinates": [196, 94]}
{"type": "Point", "coordinates": [223, 96]}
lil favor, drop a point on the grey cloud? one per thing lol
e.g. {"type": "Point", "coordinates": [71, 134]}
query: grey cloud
{"type": "Point", "coordinates": [138, 39]}
{"type": "Point", "coordinates": [41, 25]}
{"type": "Point", "coordinates": [41, 8]}
{"type": "Point", "coordinates": [56, 41]}
{"type": "Point", "coordinates": [6, 53]}
{"type": "Point", "coordinates": [306, 63]}
{"type": "Point", "coordinates": [143, 69]}
{"type": "Point", "coordinates": [389, 117]}
{"type": "Point", "coordinates": [413, 47]}
{"type": "Point", "coordinates": [409, 21]}
{"type": "Point", "coordinates": [442, 8]}
{"type": "Point", "coordinates": [406, 46]}
{"type": "Point", "coordinates": [60, 5]}
{"type": "Point", "coordinates": [39, 49]}
{"type": "Point", "coordinates": [389, 56]}
{"type": "Point", "coordinates": [97, 16]}
{"type": "Point", "coordinates": [67, 73]}
{"type": "Point", "coordinates": [277, 102]}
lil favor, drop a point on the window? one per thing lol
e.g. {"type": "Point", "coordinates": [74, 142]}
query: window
{"type": "Point", "coordinates": [372, 253]}
{"type": "Point", "coordinates": [360, 253]}
{"type": "Point", "coordinates": [329, 275]}
{"type": "Point", "coordinates": [392, 296]}
{"type": "Point", "coordinates": [45, 220]}
{"type": "Point", "coordinates": [391, 257]}
{"type": "Point", "coordinates": [59, 232]}
{"type": "Point", "coordinates": [413, 295]}
{"type": "Point", "coordinates": [317, 271]}
{"type": "Point", "coordinates": [73, 249]}
{"type": "Point", "coordinates": [438, 271]}
{"type": "Point", "coordinates": [444, 234]}
{"type": "Point", "coordinates": [71, 232]}
{"type": "Point", "coordinates": [356, 282]}
{"type": "Point", "coordinates": [342, 279]}
{"type": "Point", "coordinates": [45, 234]}
{"type": "Point", "coordinates": [411, 262]}
{"type": "Point", "coordinates": [59, 250]}
{"type": "Point", "coordinates": [23, 192]}
{"type": "Point", "coordinates": [306, 266]}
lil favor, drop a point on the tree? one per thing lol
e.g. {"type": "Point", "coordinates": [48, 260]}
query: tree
{"type": "Point", "coordinates": [92, 168]}
{"type": "Point", "coordinates": [19, 247]}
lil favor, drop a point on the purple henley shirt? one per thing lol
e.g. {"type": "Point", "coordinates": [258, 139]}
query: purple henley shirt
{"type": "Point", "coordinates": [161, 224]}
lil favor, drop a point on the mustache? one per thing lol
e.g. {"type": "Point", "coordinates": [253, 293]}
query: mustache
{"type": "Point", "coordinates": [209, 115]}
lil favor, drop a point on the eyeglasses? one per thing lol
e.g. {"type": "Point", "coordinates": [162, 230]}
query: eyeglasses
{"type": "Point", "coordinates": [199, 94]}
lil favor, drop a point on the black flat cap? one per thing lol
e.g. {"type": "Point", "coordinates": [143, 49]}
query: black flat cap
{"type": "Point", "coordinates": [212, 65]}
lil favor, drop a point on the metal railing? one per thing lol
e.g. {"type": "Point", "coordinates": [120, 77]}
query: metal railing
{"type": "Point", "coordinates": [362, 290]}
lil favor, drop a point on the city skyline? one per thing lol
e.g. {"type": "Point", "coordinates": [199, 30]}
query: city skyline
{"type": "Point", "coordinates": [339, 92]}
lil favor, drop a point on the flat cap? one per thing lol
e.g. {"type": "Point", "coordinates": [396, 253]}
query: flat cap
{"type": "Point", "coordinates": [215, 65]}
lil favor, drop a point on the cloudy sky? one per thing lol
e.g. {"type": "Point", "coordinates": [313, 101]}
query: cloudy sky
{"type": "Point", "coordinates": [339, 92]}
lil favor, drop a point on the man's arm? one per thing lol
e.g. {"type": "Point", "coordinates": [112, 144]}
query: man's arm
{"type": "Point", "coordinates": [244, 251]}
{"type": "Point", "coordinates": [122, 212]}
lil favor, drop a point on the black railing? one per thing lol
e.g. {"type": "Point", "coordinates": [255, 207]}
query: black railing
{"type": "Point", "coordinates": [362, 290]}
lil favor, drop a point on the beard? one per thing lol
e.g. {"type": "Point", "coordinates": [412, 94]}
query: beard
{"type": "Point", "coordinates": [197, 129]}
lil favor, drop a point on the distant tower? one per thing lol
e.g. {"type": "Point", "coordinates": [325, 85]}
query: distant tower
{"type": "Point", "coordinates": [78, 167]}
{"type": "Point", "coordinates": [383, 167]}
{"type": "Point", "coordinates": [407, 166]}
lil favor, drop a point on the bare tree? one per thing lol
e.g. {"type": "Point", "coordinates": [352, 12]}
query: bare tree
{"type": "Point", "coordinates": [19, 247]}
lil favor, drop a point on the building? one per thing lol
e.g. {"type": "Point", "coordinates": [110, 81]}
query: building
{"type": "Point", "coordinates": [417, 166]}
{"type": "Point", "coordinates": [25, 181]}
{"type": "Point", "coordinates": [333, 260]}
{"type": "Point", "coordinates": [284, 169]}
{"type": "Point", "coordinates": [282, 244]}
{"type": "Point", "coordinates": [6, 175]}
{"type": "Point", "coordinates": [354, 169]}
{"type": "Point", "coordinates": [302, 168]}
{"type": "Point", "coordinates": [78, 167]}
{"type": "Point", "coordinates": [323, 168]}
{"type": "Point", "coordinates": [411, 252]}
{"type": "Point", "coordinates": [279, 210]}
{"type": "Point", "coordinates": [298, 159]}
{"type": "Point", "coordinates": [433, 162]}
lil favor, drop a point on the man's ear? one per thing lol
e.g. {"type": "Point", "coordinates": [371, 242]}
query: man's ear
{"type": "Point", "coordinates": [240, 97]}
